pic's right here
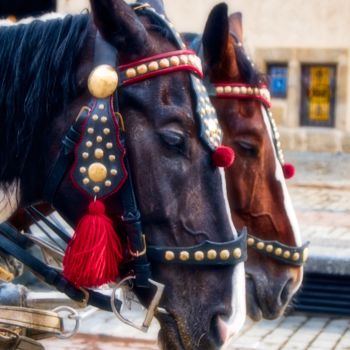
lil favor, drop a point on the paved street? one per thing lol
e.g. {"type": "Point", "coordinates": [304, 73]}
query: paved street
{"type": "Point", "coordinates": [321, 195]}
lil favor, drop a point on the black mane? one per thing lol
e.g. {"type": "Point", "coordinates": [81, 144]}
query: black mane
{"type": "Point", "coordinates": [38, 64]}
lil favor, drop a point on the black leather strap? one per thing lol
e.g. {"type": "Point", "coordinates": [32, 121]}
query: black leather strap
{"type": "Point", "coordinates": [53, 277]}
{"type": "Point", "coordinates": [289, 255]}
{"type": "Point", "coordinates": [65, 157]}
{"type": "Point", "coordinates": [205, 253]}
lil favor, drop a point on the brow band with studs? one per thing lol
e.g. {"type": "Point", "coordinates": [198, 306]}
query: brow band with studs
{"type": "Point", "coordinates": [165, 63]}
{"type": "Point", "coordinates": [260, 93]}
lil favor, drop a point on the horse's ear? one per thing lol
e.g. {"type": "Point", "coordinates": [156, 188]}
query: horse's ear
{"type": "Point", "coordinates": [216, 35]}
{"type": "Point", "coordinates": [218, 45]}
{"type": "Point", "coordinates": [120, 26]}
{"type": "Point", "coordinates": [236, 25]}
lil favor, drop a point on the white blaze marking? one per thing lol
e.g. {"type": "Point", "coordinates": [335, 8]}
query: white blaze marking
{"type": "Point", "coordinates": [9, 201]}
{"type": "Point", "coordinates": [238, 302]}
{"type": "Point", "coordinates": [280, 177]}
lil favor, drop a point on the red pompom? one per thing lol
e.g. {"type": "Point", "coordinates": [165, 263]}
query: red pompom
{"type": "Point", "coordinates": [223, 157]}
{"type": "Point", "coordinates": [94, 253]}
{"type": "Point", "coordinates": [288, 170]}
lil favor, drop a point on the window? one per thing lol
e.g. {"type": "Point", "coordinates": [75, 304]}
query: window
{"type": "Point", "coordinates": [25, 8]}
{"type": "Point", "coordinates": [318, 87]}
{"type": "Point", "coordinates": [278, 77]}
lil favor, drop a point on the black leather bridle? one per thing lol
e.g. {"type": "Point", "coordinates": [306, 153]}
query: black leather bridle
{"type": "Point", "coordinates": [205, 254]}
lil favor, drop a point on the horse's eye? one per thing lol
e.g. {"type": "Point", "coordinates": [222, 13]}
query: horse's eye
{"type": "Point", "coordinates": [173, 139]}
{"type": "Point", "coordinates": [247, 148]}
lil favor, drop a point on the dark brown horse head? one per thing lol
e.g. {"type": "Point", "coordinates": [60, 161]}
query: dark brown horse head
{"type": "Point", "coordinates": [256, 186]}
{"type": "Point", "coordinates": [181, 195]}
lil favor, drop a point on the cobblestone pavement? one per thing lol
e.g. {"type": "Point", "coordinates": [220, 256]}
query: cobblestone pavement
{"type": "Point", "coordinates": [321, 196]}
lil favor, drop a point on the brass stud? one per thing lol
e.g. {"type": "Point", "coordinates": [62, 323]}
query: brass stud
{"type": "Point", "coordinates": [256, 91]}
{"type": "Point", "coordinates": [250, 91]}
{"type": "Point", "coordinates": [99, 153]}
{"type": "Point", "coordinates": [85, 155]}
{"type": "Point", "coordinates": [199, 255]}
{"type": "Point", "coordinates": [184, 59]}
{"type": "Point", "coordinates": [86, 181]}
{"type": "Point", "coordinates": [278, 251]}
{"type": "Point", "coordinates": [286, 254]}
{"type": "Point", "coordinates": [250, 241]}
{"type": "Point", "coordinates": [243, 90]}
{"type": "Point", "coordinates": [95, 117]}
{"type": "Point", "coordinates": [237, 253]}
{"type": "Point", "coordinates": [142, 69]}
{"type": "Point", "coordinates": [131, 73]}
{"type": "Point", "coordinates": [296, 256]}
{"type": "Point", "coordinates": [90, 130]}
{"type": "Point", "coordinates": [97, 189]}
{"type": "Point", "coordinates": [153, 66]}
{"type": "Point", "coordinates": [108, 183]}
{"type": "Point", "coordinates": [104, 119]}
{"type": "Point", "coordinates": [236, 90]}
{"type": "Point", "coordinates": [174, 60]}
{"type": "Point", "coordinates": [109, 145]}
{"type": "Point", "coordinates": [219, 90]}
{"type": "Point", "coordinates": [305, 254]}
{"type": "Point", "coordinates": [114, 172]}
{"type": "Point", "coordinates": [164, 63]}
{"type": "Point", "coordinates": [111, 157]}
{"type": "Point", "coordinates": [97, 172]}
{"type": "Point", "coordinates": [269, 248]}
{"type": "Point", "coordinates": [184, 255]}
{"type": "Point", "coordinates": [227, 89]}
{"type": "Point", "coordinates": [169, 255]}
{"type": "Point", "coordinates": [103, 81]}
{"type": "Point", "coordinates": [88, 144]}
{"type": "Point", "coordinates": [99, 139]}
{"type": "Point", "coordinates": [260, 245]}
{"type": "Point", "coordinates": [82, 170]}
{"type": "Point", "coordinates": [101, 107]}
{"type": "Point", "coordinates": [224, 254]}
{"type": "Point", "coordinates": [212, 254]}
{"type": "Point", "coordinates": [106, 131]}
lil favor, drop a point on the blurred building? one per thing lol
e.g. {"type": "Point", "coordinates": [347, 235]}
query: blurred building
{"type": "Point", "coordinates": [304, 46]}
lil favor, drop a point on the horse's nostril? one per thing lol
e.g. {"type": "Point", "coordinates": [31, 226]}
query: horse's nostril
{"type": "Point", "coordinates": [286, 291]}
{"type": "Point", "coordinates": [220, 331]}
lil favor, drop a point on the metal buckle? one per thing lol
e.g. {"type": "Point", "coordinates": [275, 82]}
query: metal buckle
{"type": "Point", "coordinates": [152, 308]}
{"type": "Point", "coordinates": [137, 254]}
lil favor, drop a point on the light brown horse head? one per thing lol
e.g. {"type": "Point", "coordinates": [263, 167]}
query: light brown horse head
{"type": "Point", "coordinates": [256, 186]}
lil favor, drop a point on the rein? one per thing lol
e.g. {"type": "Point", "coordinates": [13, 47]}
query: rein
{"type": "Point", "coordinates": [93, 152]}
{"type": "Point", "coordinates": [290, 255]}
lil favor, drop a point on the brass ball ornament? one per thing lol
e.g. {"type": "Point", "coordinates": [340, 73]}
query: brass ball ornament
{"type": "Point", "coordinates": [103, 81]}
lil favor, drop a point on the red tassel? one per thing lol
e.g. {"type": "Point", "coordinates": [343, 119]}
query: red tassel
{"type": "Point", "coordinates": [94, 253]}
{"type": "Point", "coordinates": [288, 170]}
{"type": "Point", "coordinates": [223, 157]}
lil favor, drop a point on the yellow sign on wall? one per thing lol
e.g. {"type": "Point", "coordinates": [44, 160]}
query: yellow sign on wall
{"type": "Point", "coordinates": [320, 93]}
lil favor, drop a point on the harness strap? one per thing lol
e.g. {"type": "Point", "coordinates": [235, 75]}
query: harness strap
{"type": "Point", "coordinates": [12, 340]}
{"type": "Point", "coordinates": [39, 321]}
{"type": "Point", "coordinates": [295, 256]}
{"type": "Point", "coordinates": [54, 278]}
{"type": "Point", "coordinates": [65, 157]}
{"type": "Point", "coordinates": [205, 253]}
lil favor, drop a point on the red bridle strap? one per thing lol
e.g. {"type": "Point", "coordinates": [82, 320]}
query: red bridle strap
{"type": "Point", "coordinates": [173, 61]}
{"type": "Point", "coordinates": [238, 91]}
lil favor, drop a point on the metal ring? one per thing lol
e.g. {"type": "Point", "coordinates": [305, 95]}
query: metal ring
{"type": "Point", "coordinates": [73, 314]}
